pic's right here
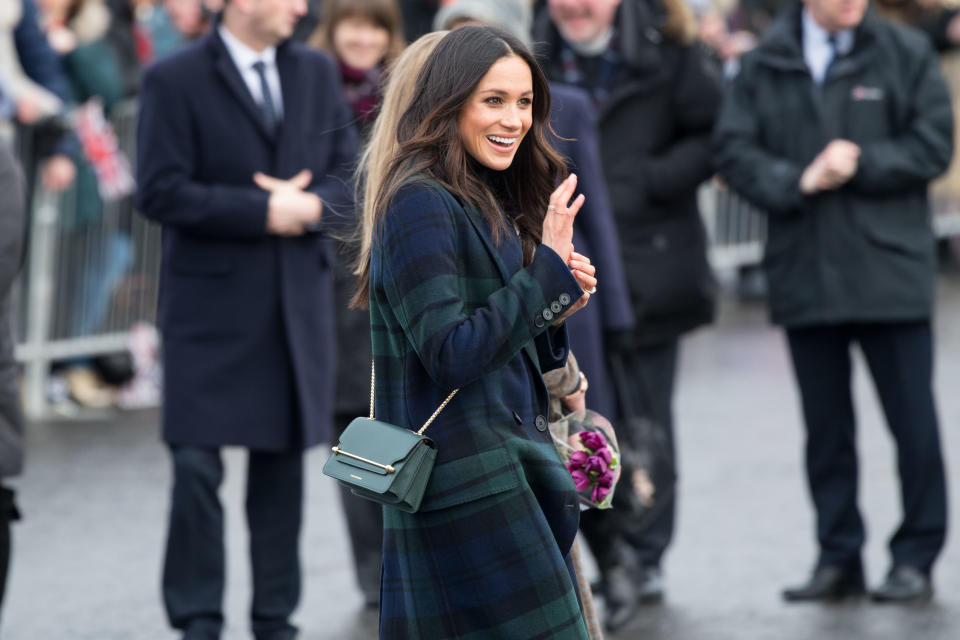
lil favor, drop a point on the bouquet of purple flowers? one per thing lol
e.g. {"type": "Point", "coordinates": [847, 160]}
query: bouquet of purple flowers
{"type": "Point", "coordinates": [588, 446]}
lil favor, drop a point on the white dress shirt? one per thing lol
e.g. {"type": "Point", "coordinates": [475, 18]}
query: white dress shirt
{"type": "Point", "coordinates": [244, 58]}
{"type": "Point", "coordinates": [817, 50]}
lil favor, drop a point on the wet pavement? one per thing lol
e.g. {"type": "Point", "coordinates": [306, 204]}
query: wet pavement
{"type": "Point", "coordinates": [87, 555]}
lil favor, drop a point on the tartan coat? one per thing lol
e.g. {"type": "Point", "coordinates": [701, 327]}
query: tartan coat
{"type": "Point", "coordinates": [487, 555]}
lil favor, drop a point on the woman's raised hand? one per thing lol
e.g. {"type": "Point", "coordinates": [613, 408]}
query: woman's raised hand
{"type": "Point", "coordinates": [558, 223]}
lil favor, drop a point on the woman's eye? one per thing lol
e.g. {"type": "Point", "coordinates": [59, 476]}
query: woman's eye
{"type": "Point", "coordinates": [525, 102]}
{"type": "Point", "coordinates": [493, 100]}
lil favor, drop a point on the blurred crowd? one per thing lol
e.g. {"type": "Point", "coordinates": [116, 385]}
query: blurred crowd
{"type": "Point", "coordinates": [71, 69]}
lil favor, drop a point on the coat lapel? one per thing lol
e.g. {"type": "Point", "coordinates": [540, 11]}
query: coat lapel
{"type": "Point", "coordinates": [482, 228]}
{"type": "Point", "coordinates": [227, 70]}
{"type": "Point", "coordinates": [290, 127]}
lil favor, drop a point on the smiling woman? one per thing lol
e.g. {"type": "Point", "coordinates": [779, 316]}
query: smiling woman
{"type": "Point", "coordinates": [469, 278]}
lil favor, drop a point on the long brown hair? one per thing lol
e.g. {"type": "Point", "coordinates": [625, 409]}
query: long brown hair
{"type": "Point", "coordinates": [381, 149]}
{"type": "Point", "coordinates": [383, 13]}
{"type": "Point", "coordinates": [429, 143]}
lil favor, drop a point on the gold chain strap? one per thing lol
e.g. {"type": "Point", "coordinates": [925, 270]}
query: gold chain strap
{"type": "Point", "coordinates": [373, 386]}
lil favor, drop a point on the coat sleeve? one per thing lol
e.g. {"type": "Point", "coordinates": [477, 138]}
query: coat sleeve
{"type": "Point", "coordinates": [768, 181]}
{"type": "Point", "coordinates": [166, 160]}
{"type": "Point", "coordinates": [595, 220]}
{"type": "Point", "coordinates": [415, 262]}
{"type": "Point", "coordinates": [924, 149]}
{"type": "Point", "coordinates": [681, 167]}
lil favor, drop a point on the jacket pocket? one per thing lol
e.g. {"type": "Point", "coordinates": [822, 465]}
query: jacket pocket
{"type": "Point", "coordinates": [897, 229]}
{"type": "Point", "coordinates": [471, 478]}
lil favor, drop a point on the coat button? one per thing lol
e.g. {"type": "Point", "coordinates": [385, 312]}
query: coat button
{"type": "Point", "coordinates": [556, 307]}
{"type": "Point", "coordinates": [538, 322]}
{"type": "Point", "coordinates": [564, 299]}
{"type": "Point", "coordinates": [541, 423]}
{"type": "Point", "coordinates": [547, 315]}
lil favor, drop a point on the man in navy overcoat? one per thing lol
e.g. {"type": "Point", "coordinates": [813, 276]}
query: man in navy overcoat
{"type": "Point", "coordinates": [244, 157]}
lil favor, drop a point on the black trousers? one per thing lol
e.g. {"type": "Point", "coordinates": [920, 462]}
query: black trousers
{"type": "Point", "coordinates": [627, 533]}
{"type": "Point", "coordinates": [900, 359]}
{"type": "Point", "coordinates": [193, 573]}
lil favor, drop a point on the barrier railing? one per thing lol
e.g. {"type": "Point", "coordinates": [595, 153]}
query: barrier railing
{"type": "Point", "coordinates": [90, 274]}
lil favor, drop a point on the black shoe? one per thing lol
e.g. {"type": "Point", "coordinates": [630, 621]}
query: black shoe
{"type": "Point", "coordinates": [650, 585]}
{"type": "Point", "coordinates": [904, 584]}
{"type": "Point", "coordinates": [203, 629]}
{"type": "Point", "coordinates": [827, 583]}
{"type": "Point", "coordinates": [619, 598]}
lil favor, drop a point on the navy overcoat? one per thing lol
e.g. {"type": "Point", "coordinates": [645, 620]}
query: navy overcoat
{"type": "Point", "coordinates": [487, 556]}
{"type": "Point", "coordinates": [246, 317]}
{"type": "Point", "coordinates": [594, 235]}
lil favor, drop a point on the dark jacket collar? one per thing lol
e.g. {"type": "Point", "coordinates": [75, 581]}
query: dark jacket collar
{"type": "Point", "coordinates": [782, 44]}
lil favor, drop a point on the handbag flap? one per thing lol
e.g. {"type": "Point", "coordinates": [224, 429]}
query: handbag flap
{"type": "Point", "coordinates": [379, 442]}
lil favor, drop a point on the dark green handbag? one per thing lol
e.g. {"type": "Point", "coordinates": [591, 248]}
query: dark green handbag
{"type": "Point", "coordinates": [383, 462]}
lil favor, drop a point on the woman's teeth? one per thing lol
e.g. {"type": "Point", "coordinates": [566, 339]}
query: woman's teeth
{"type": "Point", "coordinates": [503, 141]}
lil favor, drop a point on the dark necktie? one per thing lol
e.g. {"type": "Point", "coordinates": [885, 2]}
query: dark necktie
{"type": "Point", "coordinates": [269, 109]}
{"type": "Point", "coordinates": [834, 55]}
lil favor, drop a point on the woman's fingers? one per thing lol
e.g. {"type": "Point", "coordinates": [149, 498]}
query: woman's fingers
{"type": "Point", "coordinates": [579, 257]}
{"type": "Point", "coordinates": [585, 267]}
{"type": "Point", "coordinates": [587, 282]}
{"type": "Point", "coordinates": [574, 208]}
{"type": "Point", "coordinates": [569, 188]}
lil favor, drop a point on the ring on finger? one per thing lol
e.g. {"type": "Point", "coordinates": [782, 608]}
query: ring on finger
{"type": "Point", "coordinates": [550, 207]}
{"type": "Point", "coordinates": [592, 291]}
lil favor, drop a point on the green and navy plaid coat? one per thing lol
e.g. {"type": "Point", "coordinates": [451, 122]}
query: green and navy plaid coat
{"type": "Point", "coordinates": [487, 556]}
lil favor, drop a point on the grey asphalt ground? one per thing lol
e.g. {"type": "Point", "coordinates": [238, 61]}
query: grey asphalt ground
{"type": "Point", "coordinates": [87, 555]}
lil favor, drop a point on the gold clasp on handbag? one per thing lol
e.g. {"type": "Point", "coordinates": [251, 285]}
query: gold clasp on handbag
{"type": "Point", "coordinates": [386, 467]}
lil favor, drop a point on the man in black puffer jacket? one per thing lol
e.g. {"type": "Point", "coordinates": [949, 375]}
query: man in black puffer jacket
{"type": "Point", "coordinates": [836, 124]}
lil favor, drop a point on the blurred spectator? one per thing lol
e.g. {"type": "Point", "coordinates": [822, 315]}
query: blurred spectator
{"type": "Point", "coordinates": [190, 18]}
{"type": "Point", "coordinates": [246, 300]}
{"type": "Point", "coordinates": [40, 90]}
{"type": "Point", "coordinates": [364, 37]}
{"type": "Point", "coordinates": [13, 217]}
{"type": "Point", "coordinates": [96, 40]}
{"type": "Point", "coordinates": [835, 126]}
{"type": "Point", "coordinates": [656, 107]}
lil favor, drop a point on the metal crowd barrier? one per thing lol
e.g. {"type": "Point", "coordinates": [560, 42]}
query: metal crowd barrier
{"type": "Point", "coordinates": [85, 282]}
{"type": "Point", "coordinates": [64, 316]}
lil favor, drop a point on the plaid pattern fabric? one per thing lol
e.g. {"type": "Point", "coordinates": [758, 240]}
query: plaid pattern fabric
{"type": "Point", "coordinates": [487, 555]}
